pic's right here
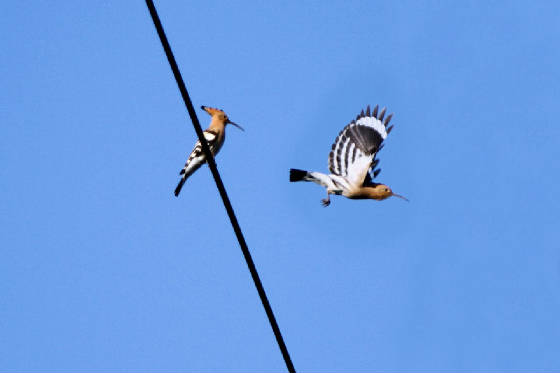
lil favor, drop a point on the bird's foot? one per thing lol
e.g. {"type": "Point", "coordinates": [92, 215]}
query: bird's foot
{"type": "Point", "coordinates": [325, 202]}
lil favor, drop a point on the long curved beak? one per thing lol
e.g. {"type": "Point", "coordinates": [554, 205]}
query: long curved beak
{"type": "Point", "coordinates": [236, 125]}
{"type": "Point", "coordinates": [402, 197]}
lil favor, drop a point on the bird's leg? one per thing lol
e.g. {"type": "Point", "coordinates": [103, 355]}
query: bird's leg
{"type": "Point", "coordinates": [327, 201]}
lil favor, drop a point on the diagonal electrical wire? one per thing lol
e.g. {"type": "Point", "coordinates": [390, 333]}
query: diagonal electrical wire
{"type": "Point", "coordinates": [221, 188]}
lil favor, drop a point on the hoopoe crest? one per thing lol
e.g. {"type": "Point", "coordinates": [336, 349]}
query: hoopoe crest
{"type": "Point", "coordinates": [352, 161]}
{"type": "Point", "coordinates": [215, 135]}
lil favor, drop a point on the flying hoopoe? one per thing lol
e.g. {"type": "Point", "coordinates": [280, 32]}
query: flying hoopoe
{"type": "Point", "coordinates": [352, 160]}
{"type": "Point", "coordinates": [215, 135]}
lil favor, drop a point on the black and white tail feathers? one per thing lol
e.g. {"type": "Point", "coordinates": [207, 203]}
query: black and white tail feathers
{"type": "Point", "coordinates": [197, 157]}
{"type": "Point", "coordinates": [191, 168]}
{"type": "Point", "coordinates": [297, 175]}
{"type": "Point", "coordinates": [315, 177]}
{"type": "Point", "coordinates": [180, 186]}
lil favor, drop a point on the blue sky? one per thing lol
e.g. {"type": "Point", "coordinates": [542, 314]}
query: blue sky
{"type": "Point", "coordinates": [103, 269]}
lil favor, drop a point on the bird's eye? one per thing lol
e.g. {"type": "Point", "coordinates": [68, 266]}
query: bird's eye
{"type": "Point", "coordinates": [386, 189]}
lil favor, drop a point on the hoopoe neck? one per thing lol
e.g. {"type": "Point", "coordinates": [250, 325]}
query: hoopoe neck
{"type": "Point", "coordinates": [369, 193]}
{"type": "Point", "coordinates": [217, 125]}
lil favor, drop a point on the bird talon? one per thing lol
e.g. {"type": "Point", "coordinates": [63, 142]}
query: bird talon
{"type": "Point", "coordinates": [325, 202]}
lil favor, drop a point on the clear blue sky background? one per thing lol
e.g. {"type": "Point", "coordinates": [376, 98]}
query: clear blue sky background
{"type": "Point", "coordinates": [103, 269]}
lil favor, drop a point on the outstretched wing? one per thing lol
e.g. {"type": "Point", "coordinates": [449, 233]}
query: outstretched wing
{"type": "Point", "coordinates": [353, 152]}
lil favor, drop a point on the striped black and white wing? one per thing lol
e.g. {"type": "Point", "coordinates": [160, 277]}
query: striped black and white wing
{"type": "Point", "coordinates": [353, 152]}
{"type": "Point", "coordinates": [197, 157]}
{"type": "Point", "coordinates": [197, 153]}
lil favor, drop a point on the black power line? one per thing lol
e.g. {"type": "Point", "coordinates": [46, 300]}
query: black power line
{"type": "Point", "coordinates": [221, 188]}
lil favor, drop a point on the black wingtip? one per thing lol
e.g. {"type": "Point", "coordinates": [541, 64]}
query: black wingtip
{"type": "Point", "coordinates": [388, 119]}
{"type": "Point", "coordinates": [297, 175]}
{"type": "Point", "coordinates": [382, 114]}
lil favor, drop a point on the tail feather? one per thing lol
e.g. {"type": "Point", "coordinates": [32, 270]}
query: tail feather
{"type": "Point", "coordinates": [180, 186]}
{"type": "Point", "coordinates": [297, 175]}
{"type": "Point", "coordinates": [187, 171]}
{"type": "Point", "coordinates": [316, 177]}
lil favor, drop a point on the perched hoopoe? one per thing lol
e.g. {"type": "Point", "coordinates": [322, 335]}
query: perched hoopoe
{"type": "Point", "coordinates": [214, 135]}
{"type": "Point", "coordinates": [352, 160]}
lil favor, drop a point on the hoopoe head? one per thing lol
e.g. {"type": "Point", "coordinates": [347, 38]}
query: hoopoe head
{"type": "Point", "coordinates": [382, 191]}
{"type": "Point", "coordinates": [220, 116]}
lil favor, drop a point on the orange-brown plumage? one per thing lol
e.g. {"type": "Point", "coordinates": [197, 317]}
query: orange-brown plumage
{"type": "Point", "coordinates": [215, 136]}
{"type": "Point", "coordinates": [352, 160]}
{"type": "Point", "coordinates": [378, 192]}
